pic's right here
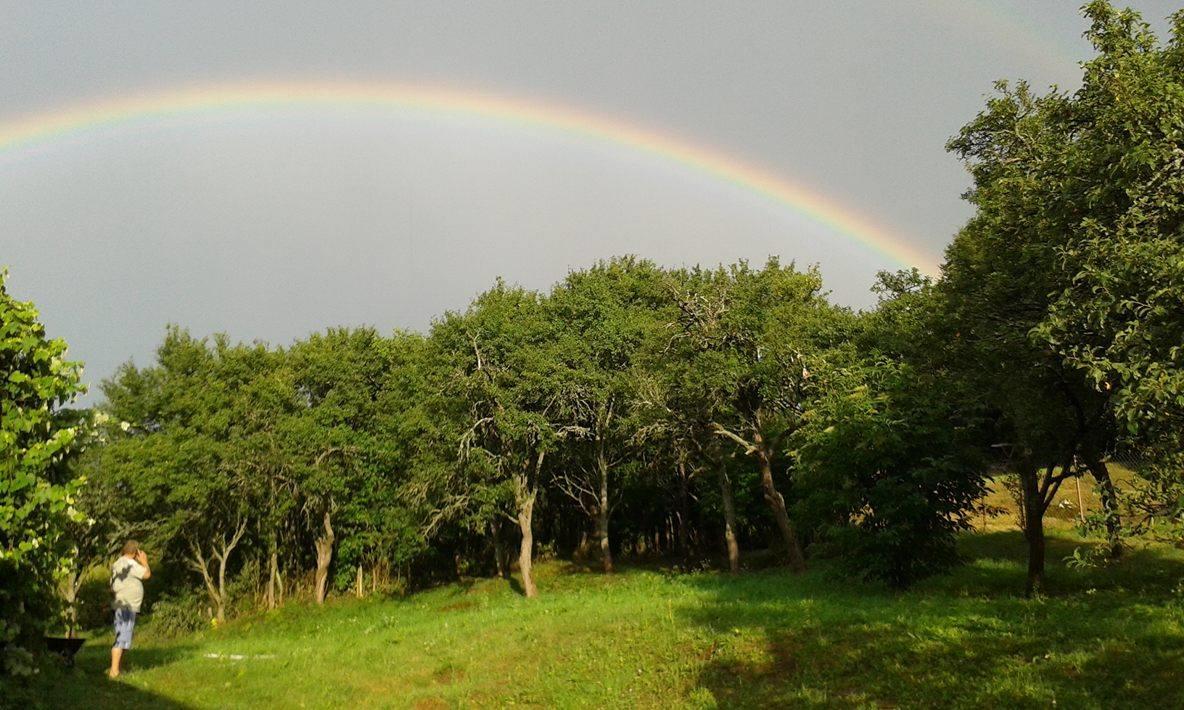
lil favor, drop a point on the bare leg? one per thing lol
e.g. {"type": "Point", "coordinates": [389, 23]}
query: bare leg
{"type": "Point", "coordinates": [116, 655]}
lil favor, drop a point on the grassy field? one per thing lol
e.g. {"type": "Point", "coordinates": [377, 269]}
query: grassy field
{"type": "Point", "coordinates": [1105, 638]}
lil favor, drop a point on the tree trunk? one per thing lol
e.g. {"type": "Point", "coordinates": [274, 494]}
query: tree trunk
{"type": "Point", "coordinates": [499, 550]}
{"type": "Point", "coordinates": [324, 548]}
{"type": "Point", "coordinates": [1101, 474]}
{"type": "Point", "coordinates": [198, 562]}
{"type": "Point", "coordinates": [1033, 505]}
{"type": "Point", "coordinates": [602, 510]}
{"type": "Point", "coordinates": [458, 564]}
{"type": "Point", "coordinates": [73, 585]}
{"type": "Point", "coordinates": [222, 588]}
{"type": "Point", "coordinates": [684, 508]}
{"type": "Point", "coordinates": [273, 574]}
{"type": "Point", "coordinates": [360, 583]}
{"type": "Point", "coordinates": [793, 549]}
{"type": "Point", "coordinates": [1035, 583]}
{"type": "Point", "coordinates": [525, 492]}
{"type": "Point", "coordinates": [525, 551]}
{"type": "Point", "coordinates": [1080, 500]}
{"type": "Point", "coordinates": [583, 551]}
{"type": "Point", "coordinates": [725, 484]}
{"type": "Point", "coordinates": [220, 551]}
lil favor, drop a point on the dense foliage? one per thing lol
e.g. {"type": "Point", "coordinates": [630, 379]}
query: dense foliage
{"type": "Point", "coordinates": [37, 488]}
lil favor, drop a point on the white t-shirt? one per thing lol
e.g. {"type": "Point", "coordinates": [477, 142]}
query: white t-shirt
{"type": "Point", "coordinates": [127, 582]}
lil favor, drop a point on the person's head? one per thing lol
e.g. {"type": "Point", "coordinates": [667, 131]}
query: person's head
{"type": "Point", "coordinates": [131, 548]}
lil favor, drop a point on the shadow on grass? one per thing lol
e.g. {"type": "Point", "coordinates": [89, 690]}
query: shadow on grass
{"type": "Point", "coordinates": [1111, 637]}
{"type": "Point", "coordinates": [87, 686]}
{"type": "Point", "coordinates": [996, 563]}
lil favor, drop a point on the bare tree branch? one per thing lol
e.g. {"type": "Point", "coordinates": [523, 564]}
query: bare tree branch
{"type": "Point", "coordinates": [749, 448]}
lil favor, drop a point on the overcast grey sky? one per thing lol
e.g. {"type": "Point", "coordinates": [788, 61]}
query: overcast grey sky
{"type": "Point", "coordinates": [272, 223]}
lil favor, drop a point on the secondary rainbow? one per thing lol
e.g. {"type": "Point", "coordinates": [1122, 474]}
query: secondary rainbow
{"type": "Point", "coordinates": [90, 117]}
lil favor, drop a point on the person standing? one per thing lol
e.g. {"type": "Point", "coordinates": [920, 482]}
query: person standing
{"type": "Point", "coordinates": [127, 582]}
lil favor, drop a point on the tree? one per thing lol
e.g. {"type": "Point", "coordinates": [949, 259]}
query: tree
{"type": "Point", "coordinates": [500, 374]}
{"type": "Point", "coordinates": [751, 334]}
{"type": "Point", "coordinates": [244, 459]}
{"type": "Point", "coordinates": [181, 464]}
{"type": "Point", "coordinates": [337, 378]}
{"type": "Point", "coordinates": [401, 431]}
{"type": "Point", "coordinates": [602, 317]}
{"type": "Point", "coordinates": [37, 489]}
{"type": "Point", "coordinates": [672, 415]}
{"type": "Point", "coordinates": [1117, 320]}
{"type": "Point", "coordinates": [1065, 186]}
{"type": "Point", "coordinates": [90, 540]}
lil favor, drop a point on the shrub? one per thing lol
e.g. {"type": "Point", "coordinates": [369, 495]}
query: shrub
{"type": "Point", "coordinates": [177, 614]}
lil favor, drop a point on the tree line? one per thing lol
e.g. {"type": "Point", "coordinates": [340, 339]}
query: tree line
{"type": "Point", "coordinates": [630, 410]}
{"type": "Point", "coordinates": [634, 410]}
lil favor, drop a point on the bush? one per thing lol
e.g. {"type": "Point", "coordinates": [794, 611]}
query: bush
{"type": "Point", "coordinates": [887, 474]}
{"type": "Point", "coordinates": [243, 590]}
{"type": "Point", "coordinates": [177, 614]}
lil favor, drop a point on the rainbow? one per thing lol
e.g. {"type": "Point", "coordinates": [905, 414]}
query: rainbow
{"type": "Point", "coordinates": [90, 117]}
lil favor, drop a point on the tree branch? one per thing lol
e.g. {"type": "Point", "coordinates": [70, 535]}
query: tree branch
{"type": "Point", "coordinates": [749, 448]}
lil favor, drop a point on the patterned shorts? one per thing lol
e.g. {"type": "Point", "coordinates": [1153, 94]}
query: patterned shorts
{"type": "Point", "coordinates": [125, 623]}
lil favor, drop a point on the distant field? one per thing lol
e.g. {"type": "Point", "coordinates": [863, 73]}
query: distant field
{"type": "Point", "coordinates": [1105, 638]}
{"type": "Point", "coordinates": [1063, 514]}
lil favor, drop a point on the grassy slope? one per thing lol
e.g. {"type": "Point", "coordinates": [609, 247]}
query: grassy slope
{"type": "Point", "coordinates": [1107, 638]}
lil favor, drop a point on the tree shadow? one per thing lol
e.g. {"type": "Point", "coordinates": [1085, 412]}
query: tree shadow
{"type": "Point", "coordinates": [86, 684]}
{"type": "Point", "coordinates": [95, 656]}
{"type": "Point", "coordinates": [1111, 637]}
{"type": "Point", "coordinates": [995, 563]}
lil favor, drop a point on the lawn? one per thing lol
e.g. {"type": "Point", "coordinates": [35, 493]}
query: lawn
{"type": "Point", "coordinates": [649, 637]}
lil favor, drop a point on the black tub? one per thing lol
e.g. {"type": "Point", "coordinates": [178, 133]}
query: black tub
{"type": "Point", "coordinates": [64, 647]}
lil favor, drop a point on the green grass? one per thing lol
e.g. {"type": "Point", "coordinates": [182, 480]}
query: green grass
{"type": "Point", "coordinates": [1110, 637]}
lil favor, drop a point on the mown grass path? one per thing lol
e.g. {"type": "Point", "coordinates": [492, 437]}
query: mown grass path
{"type": "Point", "coordinates": [1111, 637]}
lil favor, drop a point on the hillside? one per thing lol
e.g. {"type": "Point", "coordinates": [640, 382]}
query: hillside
{"type": "Point", "coordinates": [649, 637]}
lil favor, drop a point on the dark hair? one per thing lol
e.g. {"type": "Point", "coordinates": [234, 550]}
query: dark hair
{"type": "Point", "coordinates": [131, 547]}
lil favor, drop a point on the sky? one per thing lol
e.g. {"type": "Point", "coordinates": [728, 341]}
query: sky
{"type": "Point", "coordinates": [272, 221]}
